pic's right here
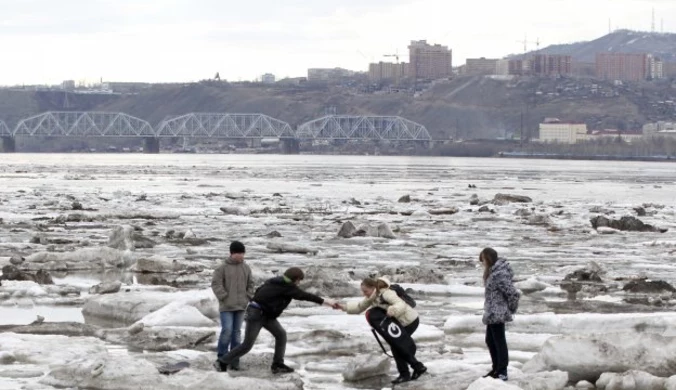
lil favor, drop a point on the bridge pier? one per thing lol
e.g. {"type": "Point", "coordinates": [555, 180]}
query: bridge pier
{"type": "Point", "coordinates": [8, 145]}
{"type": "Point", "coordinates": [290, 146]}
{"type": "Point", "coordinates": [152, 145]}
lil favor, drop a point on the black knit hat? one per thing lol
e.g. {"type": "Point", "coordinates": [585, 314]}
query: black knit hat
{"type": "Point", "coordinates": [294, 274]}
{"type": "Point", "coordinates": [237, 247]}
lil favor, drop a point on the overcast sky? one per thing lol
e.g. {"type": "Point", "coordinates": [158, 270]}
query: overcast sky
{"type": "Point", "coordinates": [47, 41]}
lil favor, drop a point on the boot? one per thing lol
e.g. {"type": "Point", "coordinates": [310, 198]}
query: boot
{"type": "Point", "coordinates": [401, 379]}
{"type": "Point", "coordinates": [281, 368]}
{"type": "Point", "coordinates": [220, 367]}
{"type": "Point", "coordinates": [418, 370]}
{"type": "Point", "coordinates": [491, 374]}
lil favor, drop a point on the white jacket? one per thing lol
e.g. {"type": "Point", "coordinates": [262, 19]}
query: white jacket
{"type": "Point", "coordinates": [388, 300]}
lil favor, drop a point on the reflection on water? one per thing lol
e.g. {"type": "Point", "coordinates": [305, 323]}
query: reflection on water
{"type": "Point", "coordinates": [24, 316]}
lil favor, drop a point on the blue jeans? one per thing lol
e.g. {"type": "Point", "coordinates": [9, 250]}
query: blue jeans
{"type": "Point", "coordinates": [231, 332]}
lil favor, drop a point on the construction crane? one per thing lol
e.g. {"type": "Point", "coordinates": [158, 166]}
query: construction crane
{"type": "Point", "coordinates": [525, 43]}
{"type": "Point", "coordinates": [395, 55]}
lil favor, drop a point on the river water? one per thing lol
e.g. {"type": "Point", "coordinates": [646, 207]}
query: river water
{"type": "Point", "coordinates": [332, 189]}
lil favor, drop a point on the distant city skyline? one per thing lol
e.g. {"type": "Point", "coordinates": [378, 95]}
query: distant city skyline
{"type": "Point", "coordinates": [45, 42]}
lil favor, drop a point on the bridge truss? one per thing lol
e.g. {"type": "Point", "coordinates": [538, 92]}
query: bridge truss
{"type": "Point", "coordinates": [84, 124]}
{"type": "Point", "coordinates": [345, 127]}
{"type": "Point", "coordinates": [214, 125]}
{"type": "Point", "coordinates": [4, 130]}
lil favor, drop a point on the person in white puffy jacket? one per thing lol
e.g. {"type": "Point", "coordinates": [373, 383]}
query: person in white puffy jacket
{"type": "Point", "coordinates": [377, 293]}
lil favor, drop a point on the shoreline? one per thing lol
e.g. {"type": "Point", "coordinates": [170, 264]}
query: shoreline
{"type": "Point", "coordinates": [544, 156]}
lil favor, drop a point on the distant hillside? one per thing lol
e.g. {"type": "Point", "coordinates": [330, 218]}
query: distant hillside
{"type": "Point", "coordinates": [465, 107]}
{"type": "Point", "coordinates": [625, 41]}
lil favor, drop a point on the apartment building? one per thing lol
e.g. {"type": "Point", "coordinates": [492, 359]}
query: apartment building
{"type": "Point", "coordinates": [481, 66]}
{"type": "Point", "coordinates": [388, 71]}
{"type": "Point", "coordinates": [268, 78]}
{"type": "Point", "coordinates": [552, 65]}
{"type": "Point", "coordinates": [502, 67]}
{"type": "Point", "coordinates": [517, 67]}
{"type": "Point", "coordinates": [328, 74]}
{"type": "Point", "coordinates": [628, 66]}
{"type": "Point", "coordinates": [429, 61]}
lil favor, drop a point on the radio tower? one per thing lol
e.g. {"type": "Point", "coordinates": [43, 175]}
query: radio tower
{"type": "Point", "coordinates": [653, 24]}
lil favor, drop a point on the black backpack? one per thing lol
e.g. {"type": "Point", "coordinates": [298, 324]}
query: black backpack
{"type": "Point", "coordinates": [402, 294]}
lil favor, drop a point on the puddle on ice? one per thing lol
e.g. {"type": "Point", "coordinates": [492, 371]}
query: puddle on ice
{"type": "Point", "coordinates": [86, 279]}
{"type": "Point", "coordinates": [22, 316]}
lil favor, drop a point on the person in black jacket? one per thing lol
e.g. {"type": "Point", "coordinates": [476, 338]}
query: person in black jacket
{"type": "Point", "coordinates": [268, 303]}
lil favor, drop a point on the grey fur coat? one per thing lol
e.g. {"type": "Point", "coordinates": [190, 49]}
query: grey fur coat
{"type": "Point", "coordinates": [501, 297]}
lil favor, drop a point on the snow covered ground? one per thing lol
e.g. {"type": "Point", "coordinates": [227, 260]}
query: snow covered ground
{"type": "Point", "coordinates": [58, 211]}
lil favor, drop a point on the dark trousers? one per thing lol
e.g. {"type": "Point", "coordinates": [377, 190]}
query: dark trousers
{"type": "Point", "coordinates": [255, 321]}
{"type": "Point", "coordinates": [497, 346]}
{"type": "Point", "coordinates": [405, 357]}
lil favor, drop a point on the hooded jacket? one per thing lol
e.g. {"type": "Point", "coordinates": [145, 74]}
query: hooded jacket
{"type": "Point", "coordinates": [276, 294]}
{"type": "Point", "coordinates": [387, 299]}
{"type": "Point", "coordinates": [233, 285]}
{"type": "Point", "coordinates": [501, 297]}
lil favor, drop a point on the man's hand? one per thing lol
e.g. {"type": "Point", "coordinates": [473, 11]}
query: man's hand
{"type": "Point", "coordinates": [330, 302]}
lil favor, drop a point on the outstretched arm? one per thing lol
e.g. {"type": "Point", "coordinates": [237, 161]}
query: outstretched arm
{"type": "Point", "coordinates": [357, 307]}
{"type": "Point", "coordinates": [301, 295]}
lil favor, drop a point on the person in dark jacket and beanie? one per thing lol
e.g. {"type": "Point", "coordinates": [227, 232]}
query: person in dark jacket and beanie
{"type": "Point", "coordinates": [268, 303]}
{"type": "Point", "coordinates": [233, 286]}
{"type": "Point", "coordinates": [501, 302]}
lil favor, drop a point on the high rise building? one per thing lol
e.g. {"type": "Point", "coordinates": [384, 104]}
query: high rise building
{"type": "Point", "coordinates": [623, 66]}
{"type": "Point", "coordinates": [669, 69]}
{"type": "Point", "coordinates": [429, 61]}
{"type": "Point", "coordinates": [268, 78]}
{"type": "Point", "coordinates": [517, 67]}
{"type": "Point", "coordinates": [389, 71]}
{"type": "Point", "coordinates": [502, 67]}
{"type": "Point", "coordinates": [655, 67]}
{"type": "Point", "coordinates": [552, 65]}
{"type": "Point", "coordinates": [481, 66]}
{"type": "Point", "coordinates": [328, 74]}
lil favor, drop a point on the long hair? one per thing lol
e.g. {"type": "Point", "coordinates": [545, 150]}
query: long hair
{"type": "Point", "coordinates": [372, 283]}
{"type": "Point", "coordinates": [488, 257]}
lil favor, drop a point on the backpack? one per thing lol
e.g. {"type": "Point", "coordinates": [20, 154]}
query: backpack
{"type": "Point", "coordinates": [402, 294]}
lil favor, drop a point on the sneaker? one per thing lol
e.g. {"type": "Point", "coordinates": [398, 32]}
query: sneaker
{"type": "Point", "coordinates": [418, 371]}
{"type": "Point", "coordinates": [491, 374]}
{"type": "Point", "coordinates": [220, 367]}
{"type": "Point", "coordinates": [503, 377]}
{"type": "Point", "coordinates": [281, 368]}
{"type": "Point", "coordinates": [401, 379]}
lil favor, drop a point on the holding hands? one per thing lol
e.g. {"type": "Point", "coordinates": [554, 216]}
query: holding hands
{"type": "Point", "coordinates": [335, 304]}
